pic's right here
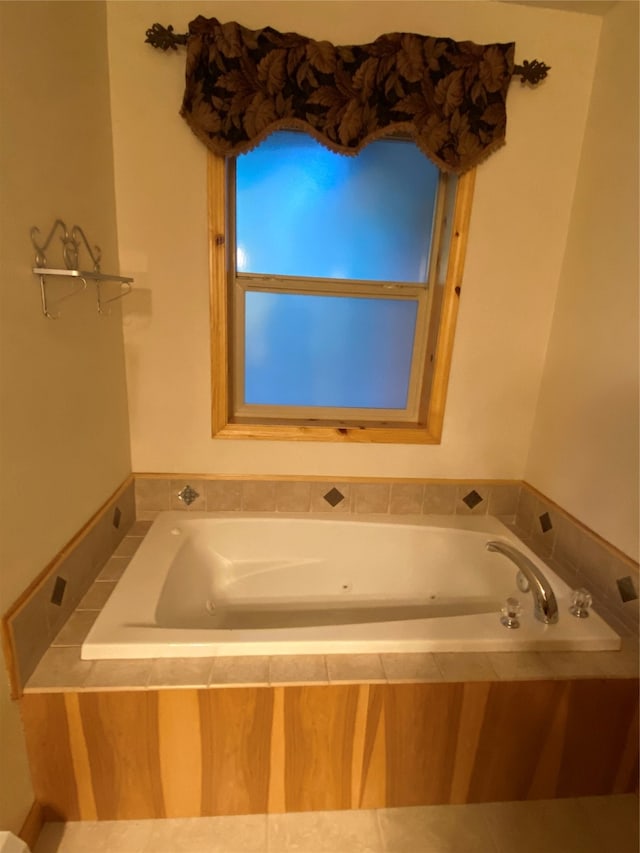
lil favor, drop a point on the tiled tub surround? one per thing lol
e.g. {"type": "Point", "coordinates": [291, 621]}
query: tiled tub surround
{"type": "Point", "coordinates": [577, 555]}
{"type": "Point", "coordinates": [61, 668]}
{"type": "Point", "coordinates": [38, 616]}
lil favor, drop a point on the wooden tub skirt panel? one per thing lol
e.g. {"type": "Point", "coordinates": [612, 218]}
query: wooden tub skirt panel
{"type": "Point", "coordinates": [247, 750]}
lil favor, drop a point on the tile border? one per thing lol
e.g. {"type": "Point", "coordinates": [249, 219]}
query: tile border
{"type": "Point", "coordinates": [78, 563]}
{"type": "Point", "coordinates": [561, 541]}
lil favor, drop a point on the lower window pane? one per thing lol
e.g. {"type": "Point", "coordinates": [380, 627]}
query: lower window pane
{"type": "Point", "coordinates": [329, 351]}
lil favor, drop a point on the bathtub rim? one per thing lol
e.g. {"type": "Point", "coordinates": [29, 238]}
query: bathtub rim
{"type": "Point", "coordinates": [606, 638]}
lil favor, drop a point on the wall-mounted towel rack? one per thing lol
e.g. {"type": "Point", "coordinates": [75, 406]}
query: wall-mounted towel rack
{"type": "Point", "coordinates": [72, 242]}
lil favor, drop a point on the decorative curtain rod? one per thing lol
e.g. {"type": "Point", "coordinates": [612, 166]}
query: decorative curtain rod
{"type": "Point", "coordinates": [165, 38]}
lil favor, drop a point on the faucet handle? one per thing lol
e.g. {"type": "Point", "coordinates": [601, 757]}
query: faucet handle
{"type": "Point", "coordinates": [581, 601]}
{"type": "Point", "coordinates": [511, 610]}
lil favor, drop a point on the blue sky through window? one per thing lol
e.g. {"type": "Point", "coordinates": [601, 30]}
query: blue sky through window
{"type": "Point", "coordinates": [302, 210]}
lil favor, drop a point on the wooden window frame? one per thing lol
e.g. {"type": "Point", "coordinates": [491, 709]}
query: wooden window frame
{"type": "Point", "coordinates": [427, 427]}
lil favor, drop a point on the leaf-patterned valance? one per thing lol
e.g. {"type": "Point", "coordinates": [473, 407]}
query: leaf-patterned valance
{"type": "Point", "coordinates": [449, 96]}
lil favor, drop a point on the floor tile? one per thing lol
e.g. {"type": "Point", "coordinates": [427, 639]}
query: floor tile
{"type": "Point", "coordinates": [436, 829]}
{"type": "Point", "coordinates": [614, 822]}
{"type": "Point", "coordinates": [543, 826]}
{"type": "Point", "coordinates": [241, 834]}
{"type": "Point", "coordinates": [585, 825]}
{"type": "Point", "coordinates": [109, 836]}
{"type": "Point", "coordinates": [324, 832]}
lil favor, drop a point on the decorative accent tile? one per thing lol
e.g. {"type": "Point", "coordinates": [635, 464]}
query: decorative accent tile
{"type": "Point", "coordinates": [320, 504]}
{"type": "Point", "coordinates": [626, 589]}
{"type": "Point", "coordinates": [472, 499]}
{"type": "Point", "coordinates": [59, 586]}
{"type": "Point", "coordinates": [545, 522]}
{"type": "Point", "coordinates": [188, 495]}
{"type": "Point", "coordinates": [333, 497]}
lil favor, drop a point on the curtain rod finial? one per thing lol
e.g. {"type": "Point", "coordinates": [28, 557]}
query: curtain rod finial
{"type": "Point", "coordinates": [164, 37]}
{"type": "Point", "coordinates": [531, 72]}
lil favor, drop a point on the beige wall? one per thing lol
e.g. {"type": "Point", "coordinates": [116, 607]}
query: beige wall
{"type": "Point", "coordinates": [518, 232]}
{"type": "Point", "coordinates": [63, 420]}
{"type": "Point", "coordinates": [584, 450]}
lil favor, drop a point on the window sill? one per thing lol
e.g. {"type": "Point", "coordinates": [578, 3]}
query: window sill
{"type": "Point", "coordinates": [364, 435]}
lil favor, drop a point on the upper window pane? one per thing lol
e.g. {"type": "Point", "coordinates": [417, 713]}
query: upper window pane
{"type": "Point", "coordinates": [302, 210]}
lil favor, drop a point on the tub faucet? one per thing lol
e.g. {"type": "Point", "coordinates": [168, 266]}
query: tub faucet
{"type": "Point", "coordinates": [545, 606]}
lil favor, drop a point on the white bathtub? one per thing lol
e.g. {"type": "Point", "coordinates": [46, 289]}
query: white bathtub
{"type": "Point", "coordinates": [205, 584]}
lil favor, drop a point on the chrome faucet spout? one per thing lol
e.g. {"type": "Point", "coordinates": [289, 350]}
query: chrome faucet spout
{"type": "Point", "coordinates": [545, 606]}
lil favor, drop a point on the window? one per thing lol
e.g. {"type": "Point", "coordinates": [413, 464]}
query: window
{"type": "Point", "coordinates": [333, 290]}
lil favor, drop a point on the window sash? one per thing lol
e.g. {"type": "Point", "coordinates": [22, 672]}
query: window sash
{"type": "Point", "coordinates": [328, 287]}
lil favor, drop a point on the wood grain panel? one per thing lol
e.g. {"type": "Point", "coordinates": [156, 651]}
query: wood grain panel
{"type": "Point", "coordinates": [472, 711]}
{"type": "Point", "coordinates": [277, 796]}
{"type": "Point", "coordinates": [47, 736]}
{"type": "Point", "coordinates": [179, 751]}
{"type": "Point", "coordinates": [236, 746]}
{"type": "Point", "coordinates": [600, 716]}
{"type": "Point", "coordinates": [121, 735]}
{"type": "Point", "coordinates": [373, 774]}
{"type": "Point", "coordinates": [517, 720]}
{"type": "Point", "coordinates": [421, 731]}
{"type": "Point", "coordinates": [80, 758]}
{"type": "Point", "coordinates": [319, 724]}
{"type": "Point", "coordinates": [141, 754]}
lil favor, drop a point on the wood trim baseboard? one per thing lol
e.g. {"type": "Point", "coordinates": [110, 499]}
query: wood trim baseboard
{"type": "Point", "coordinates": [325, 478]}
{"type": "Point", "coordinates": [32, 826]}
